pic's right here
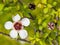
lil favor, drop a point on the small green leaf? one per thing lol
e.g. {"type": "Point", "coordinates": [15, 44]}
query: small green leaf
{"type": "Point", "coordinates": [54, 3]}
{"type": "Point", "coordinates": [40, 27]}
{"type": "Point", "coordinates": [44, 1]}
{"type": "Point", "coordinates": [45, 35]}
{"type": "Point", "coordinates": [1, 6]}
{"type": "Point", "coordinates": [37, 34]}
{"type": "Point", "coordinates": [7, 8]}
{"type": "Point", "coordinates": [49, 5]}
{"type": "Point", "coordinates": [39, 21]}
{"type": "Point", "coordinates": [53, 35]}
{"type": "Point", "coordinates": [15, 1]}
{"type": "Point", "coordinates": [44, 24]}
{"type": "Point", "coordinates": [45, 10]}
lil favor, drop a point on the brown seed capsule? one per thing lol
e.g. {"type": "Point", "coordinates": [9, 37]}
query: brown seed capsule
{"type": "Point", "coordinates": [32, 6]}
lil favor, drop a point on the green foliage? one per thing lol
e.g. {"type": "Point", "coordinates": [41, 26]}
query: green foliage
{"type": "Point", "coordinates": [38, 33]}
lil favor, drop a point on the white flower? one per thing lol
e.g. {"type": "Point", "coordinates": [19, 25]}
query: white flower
{"type": "Point", "coordinates": [51, 25]}
{"type": "Point", "coordinates": [17, 27]}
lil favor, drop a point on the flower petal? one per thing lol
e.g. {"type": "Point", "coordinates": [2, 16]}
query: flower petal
{"type": "Point", "coordinates": [13, 34]}
{"type": "Point", "coordinates": [8, 25]}
{"type": "Point", "coordinates": [25, 21]}
{"type": "Point", "coordinates": [23, 34]}
{"type": "Point", "coordinates": [16, 18]}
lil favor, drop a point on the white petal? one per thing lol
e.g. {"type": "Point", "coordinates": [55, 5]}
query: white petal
{"type": "Point", "coordinates": [25, 21]}
{"type": "Point", "coordinates": [16, 18]}
{"type": "Point", "coordinates": [13, 34]}
{"type": "Point", "coordinates": [23, 34]}
{"type": "Point", "coordinates": [8, 25]}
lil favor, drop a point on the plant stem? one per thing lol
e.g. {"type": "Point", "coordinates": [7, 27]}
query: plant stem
{"type": "Point", "coordinates": [17, 39]}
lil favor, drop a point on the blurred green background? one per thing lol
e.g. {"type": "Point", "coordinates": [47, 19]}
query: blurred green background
{"type": "Point", "coordinates": [43, 12]}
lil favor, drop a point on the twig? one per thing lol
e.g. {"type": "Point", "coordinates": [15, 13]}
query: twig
{"type": "Point", "coordinates": [54, 8]}
{"type": "Point", "coordinates": [31, 17]}
{"type": "Point", "coordinates": [17, 39]}
{"type": "Point", "coordinates": [20, 1]}
{"type": "Point", "coordinates": [5, 34]}
{"type": "Point", "coordinates": [24, 40]}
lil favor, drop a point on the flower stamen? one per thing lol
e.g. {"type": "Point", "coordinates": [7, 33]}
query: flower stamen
{"type": "Point", "coordinates": [18, 26]}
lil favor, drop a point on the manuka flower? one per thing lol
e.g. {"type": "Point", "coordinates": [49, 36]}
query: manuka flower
{"type": "Point", "coordinates": [17, 27]}
{"type": "Point", "coordinates": [51, 25]}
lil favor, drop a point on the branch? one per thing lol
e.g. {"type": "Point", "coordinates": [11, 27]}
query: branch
{"type": "Point", "coordinates": [54, 8]}
{"type": "Point", "coordinates": [5, 34]}
{"type": "Point", "coordinates": [31, 17]}
{"type": "Point", "coordinates": [24, 40]}
{"type": "Point", "coordinates": [17, 39]}
{"type": "Point", "coordinates": [20, 1]}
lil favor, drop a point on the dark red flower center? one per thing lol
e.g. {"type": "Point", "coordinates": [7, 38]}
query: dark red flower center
{"type": "Point", "coordinates": [18, 26]}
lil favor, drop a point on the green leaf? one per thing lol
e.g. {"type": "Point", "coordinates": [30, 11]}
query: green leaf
{"type": "Point", "coordinates": [39, 21]}
{"type": "Point", "coordinates": [44, 24]}
{"type": "Point", "coordinates": [1, 6]}
{"type": "Point", "coordinates": [45, 10]}
{"type": "Point", "coordinates": [53, 35]}
{"type": "Point", "coordinates": [40, 27]}
{"type": "Point", "coordinates": [44, 1]}
{"type": "Point", "coordinates": [54, 3]}
{"type": "Point", "coordinates": [49, 5]}
{"type": "Point", "coordinates": [5, 40]}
